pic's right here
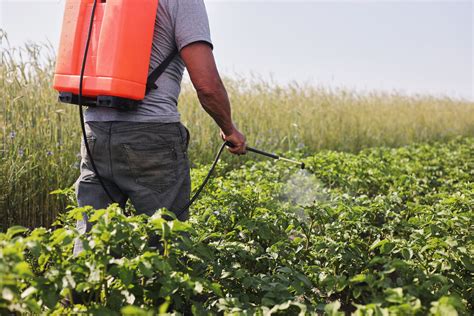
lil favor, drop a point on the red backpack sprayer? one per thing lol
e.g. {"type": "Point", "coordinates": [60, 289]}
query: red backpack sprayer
{"type": "Point", "coordinates": [103, 60]}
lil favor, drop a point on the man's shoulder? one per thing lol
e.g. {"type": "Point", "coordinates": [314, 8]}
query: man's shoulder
{"type": "Point", "coordinates": [172, 5]}
{"type": "Point", "coordinates": [167, 4]}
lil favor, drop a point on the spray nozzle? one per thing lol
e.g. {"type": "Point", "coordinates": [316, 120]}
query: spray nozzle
{"type": "Point", "coordinates": [270, 155]}
{"type": "Point", "coordinates": [301, 164]}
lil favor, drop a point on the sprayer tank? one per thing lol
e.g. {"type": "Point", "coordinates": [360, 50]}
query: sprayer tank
{"type": "Point", "coordinates": [119, 52]}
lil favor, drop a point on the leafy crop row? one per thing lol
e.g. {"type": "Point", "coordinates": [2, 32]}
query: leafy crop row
{"type": "Point", "coordinates": [387, 231]}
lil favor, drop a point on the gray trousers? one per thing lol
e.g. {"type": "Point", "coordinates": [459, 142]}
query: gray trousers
{"type": "Point", "coordinates": [144, 162]}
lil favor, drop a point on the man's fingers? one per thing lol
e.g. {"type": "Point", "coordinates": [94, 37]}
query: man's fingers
{"type": "Point", "coordinates": [237, 139]}
{"type": "Point", "coordinates": [237, 150]}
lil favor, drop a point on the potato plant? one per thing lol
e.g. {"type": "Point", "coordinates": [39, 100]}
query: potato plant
{"type": "Point", "coordinates": [383, 232]}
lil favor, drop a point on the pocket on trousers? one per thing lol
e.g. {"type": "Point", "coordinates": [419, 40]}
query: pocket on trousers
{"type": "Point", "coordinates": [153, 165]}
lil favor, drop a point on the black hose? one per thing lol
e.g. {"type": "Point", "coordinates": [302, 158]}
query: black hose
{"type": "Point", "coordinates": [79, 101]}
{"type": "Point", "coordinates": [211, 170]}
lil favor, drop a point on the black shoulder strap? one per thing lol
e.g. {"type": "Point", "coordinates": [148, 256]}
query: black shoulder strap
{"type": "Point", "coordinates": [158, 71]}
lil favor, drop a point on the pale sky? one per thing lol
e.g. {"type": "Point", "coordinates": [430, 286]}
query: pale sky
{"type": "Point", "coordinates": [409, 46]}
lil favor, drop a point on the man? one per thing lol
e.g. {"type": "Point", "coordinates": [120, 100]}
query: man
{"type": "Point", "coordinates": [141, 155]}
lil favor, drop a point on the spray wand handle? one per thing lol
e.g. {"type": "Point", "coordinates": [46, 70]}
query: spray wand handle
{"type": "Point", "coordinates": [263, 153]}
{"type": "Point", "coordinates": [257, 151]}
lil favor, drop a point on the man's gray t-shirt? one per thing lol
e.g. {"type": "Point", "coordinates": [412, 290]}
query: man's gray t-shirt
{"type": "Point", "coordinates": [179, 23]}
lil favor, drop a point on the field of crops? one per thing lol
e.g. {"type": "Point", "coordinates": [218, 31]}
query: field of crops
{"type": "Point", "coordinates": [382, 232]}
{"type": "Point", "coordinates": [41, 138]}
{"type": "Point", "coordinates": [380, 223]}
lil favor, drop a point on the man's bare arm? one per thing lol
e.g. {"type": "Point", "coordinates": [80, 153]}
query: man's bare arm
{"type": "Point", "coordinates": [205, 77]}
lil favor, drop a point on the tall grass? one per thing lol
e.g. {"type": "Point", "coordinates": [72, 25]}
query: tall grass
{"type": "Point", "coordinates": [41, 137]}
{"type": "Point", "coordinates": [286, 118]}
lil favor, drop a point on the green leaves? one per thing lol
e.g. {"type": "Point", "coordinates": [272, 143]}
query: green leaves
{"type": "Point", "coordinates": [385, 246]}
{"type": "Point", "coordinates": [332, 309]}
{"type": "Point", "coordinates": [15, 230]}
{"type": "Point", "coordinates": [388, 232]}
{"type": "Point", "coordinates": [23, 269]}
{"type": "Point", "coordinates": [136, 311]}
{"type": "Point", "coordinates": [447, 305]}
{"type": "Point", "coordinates": [359, 278]}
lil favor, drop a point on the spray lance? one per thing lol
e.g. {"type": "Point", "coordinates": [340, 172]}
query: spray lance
{"type": "Point", "coordinates": [270, 155]}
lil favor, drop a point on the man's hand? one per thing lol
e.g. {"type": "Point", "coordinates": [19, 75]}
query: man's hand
{"type": "Point", "coordinates": [237, 139]}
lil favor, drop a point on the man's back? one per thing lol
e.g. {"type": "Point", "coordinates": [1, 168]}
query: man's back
{"type": "Point", "coordinates": [178, 23]}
